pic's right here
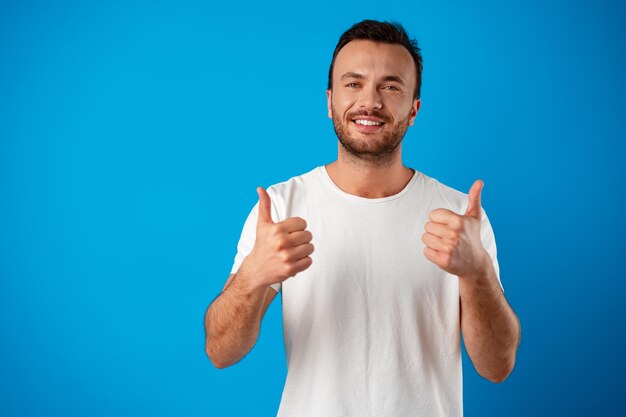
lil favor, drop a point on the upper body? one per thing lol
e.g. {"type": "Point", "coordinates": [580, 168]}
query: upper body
{"type": "Point", "coordinates": [380, 267]}
{"type": "Point", "coordinates": [372, 327]}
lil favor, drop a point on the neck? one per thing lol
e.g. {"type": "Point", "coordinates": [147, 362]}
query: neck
{"type": "Point", "coordinates": [369, 178]}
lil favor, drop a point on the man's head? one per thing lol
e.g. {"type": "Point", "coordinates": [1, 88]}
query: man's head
{"type": "Point", "coordinates": [383, 32]}
{"type": "Point", "coordinates": [373, 89]}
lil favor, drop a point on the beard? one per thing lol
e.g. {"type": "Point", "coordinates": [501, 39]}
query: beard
{"type": "Point", "coordinates": [381, 149]}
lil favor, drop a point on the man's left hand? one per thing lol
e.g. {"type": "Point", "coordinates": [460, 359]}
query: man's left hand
{"type": "Point", "coordinates": [453, 241]}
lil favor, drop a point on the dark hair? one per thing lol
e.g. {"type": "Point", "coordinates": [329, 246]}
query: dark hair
{"type": "Point", "coordinates": [384, 32]}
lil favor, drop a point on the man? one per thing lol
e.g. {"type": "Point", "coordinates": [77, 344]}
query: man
{"type": "Point", "coordinates": [373, 312]}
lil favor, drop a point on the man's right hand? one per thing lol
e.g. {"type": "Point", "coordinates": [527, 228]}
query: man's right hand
{"type": "Point", "coordinates": [280, 251]}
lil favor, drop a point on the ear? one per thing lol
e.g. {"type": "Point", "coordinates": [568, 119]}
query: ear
{"type": "Point", "coordinates": [329, 97]}
{"type": "Point", "coordinates": [414, 109]}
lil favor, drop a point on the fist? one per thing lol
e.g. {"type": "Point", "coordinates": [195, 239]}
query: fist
{"type": "Point", "coordinates": [281, 250]}
{"type": "Point", "coordinates": [453, 241]}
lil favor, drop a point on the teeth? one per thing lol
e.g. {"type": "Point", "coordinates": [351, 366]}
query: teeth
{"type": "Point", "coordinates": [368, 122]}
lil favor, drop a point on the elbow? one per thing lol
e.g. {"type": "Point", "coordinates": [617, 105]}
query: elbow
{"type": "Point", "coordinates": [498, 379]}
{"type": "Point", "coordinates": [218, 365]}
{"type": "Point", "coordinates": [215, 363]}
{"type": "Point", "coordinates": [209, 348]}
{"type": "Point", "coordinates": [211, 355]}
{"type": "Point", "coordinates": [507, 368]}
{"type": "Point", "coordinates": [501, 376]}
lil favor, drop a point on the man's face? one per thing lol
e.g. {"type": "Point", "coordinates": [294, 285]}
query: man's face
{"type": "Point", "coordinates": [371, 102]}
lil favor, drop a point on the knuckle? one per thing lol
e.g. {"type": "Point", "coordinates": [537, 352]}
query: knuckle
{"type": "Point", "coordinates": [283, 255]}
{"type": "Point", "coordinates": [287, 269]}
{"type": "Point", "coordinates": [291, 270]}
{"type": "Point", "coordinates": [278, 244]}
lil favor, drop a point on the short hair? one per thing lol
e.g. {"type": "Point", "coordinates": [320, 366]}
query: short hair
{"type": "Point", "coordinates": [384, 32]}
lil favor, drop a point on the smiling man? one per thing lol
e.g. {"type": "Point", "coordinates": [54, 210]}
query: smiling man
{"type": "Point", "coordinates": [402, 264]}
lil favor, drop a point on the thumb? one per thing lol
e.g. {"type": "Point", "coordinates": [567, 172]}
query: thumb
{"type": "Point", "coordinates": [265, 206]}
{"type": "Point", "coordinates": [473, 207]}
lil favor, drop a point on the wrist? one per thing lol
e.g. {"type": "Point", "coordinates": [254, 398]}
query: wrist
{"type": "Point", "coordinates": [482, 270]}
{"type": "Point", "coordinates": [247, 279]}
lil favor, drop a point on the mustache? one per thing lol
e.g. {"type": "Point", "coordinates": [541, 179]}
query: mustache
{"type": "Point", "coordinates": [381, 116]}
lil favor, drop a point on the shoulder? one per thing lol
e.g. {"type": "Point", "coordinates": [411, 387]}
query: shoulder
{"type": "Point", "coordinates": [449, 197]}
{"type": "Point", "coordinates": [452, 198]}
{"type": "Point", "coordinates": [295, 181]}
{"type": "Point", "coordinates": [294, 189]}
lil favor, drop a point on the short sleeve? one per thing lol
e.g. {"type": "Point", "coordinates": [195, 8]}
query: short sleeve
{"type": "Point", "coordinates": [489, 242]}
{"type": "Point", "coordinates": [248, 237]}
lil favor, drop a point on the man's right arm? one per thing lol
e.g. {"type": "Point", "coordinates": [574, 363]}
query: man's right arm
{"type": "Point", "coordinates": [279, 251]}
{"type": "Point", "coordinates": [233, 321]}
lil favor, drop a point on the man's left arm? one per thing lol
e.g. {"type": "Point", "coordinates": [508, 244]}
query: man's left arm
{"type": "Point", "coordinates": [490, 328]}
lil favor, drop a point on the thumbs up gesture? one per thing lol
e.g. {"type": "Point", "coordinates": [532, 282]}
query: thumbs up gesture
{"type": "Point", "coordinates": [453, 241]}
{"type": "Point", "coordinates": [281, 250]}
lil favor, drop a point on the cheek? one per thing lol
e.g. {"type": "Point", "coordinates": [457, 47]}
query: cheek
{"type": "Point", "coordinates": [342, 102]}
{"type": "Point", "coordinates": [403, 110]}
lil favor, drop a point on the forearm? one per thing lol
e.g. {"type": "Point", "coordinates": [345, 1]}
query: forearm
{"type": "Point", "coordinates": [233, 322]}
{"type": "Point", "coordinates": [491, 330]}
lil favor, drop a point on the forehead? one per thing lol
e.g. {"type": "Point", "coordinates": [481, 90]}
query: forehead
{"type": "Point", "coordinates": [375, 59]}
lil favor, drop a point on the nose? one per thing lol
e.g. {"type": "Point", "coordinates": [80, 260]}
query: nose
{"type": "Point", "coordinates": [370, 98]}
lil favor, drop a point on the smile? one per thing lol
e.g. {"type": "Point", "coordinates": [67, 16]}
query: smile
{"type": "Point", "coordinates": [368, 126]}
{"type": "Point", "coordinates": [367, 122]}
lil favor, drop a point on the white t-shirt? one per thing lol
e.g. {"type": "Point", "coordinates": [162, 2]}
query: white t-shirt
{"type": "Point", "coordinates": [372, 327]}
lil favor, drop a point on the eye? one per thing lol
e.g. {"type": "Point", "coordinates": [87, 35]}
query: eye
{"type": "Point", "coordinates": [391, 87]}
{"type": "Point", "coordinates": [351, 85]}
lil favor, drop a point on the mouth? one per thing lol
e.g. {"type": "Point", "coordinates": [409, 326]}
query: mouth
{"type": "Point", "coordinates": [368, 124]}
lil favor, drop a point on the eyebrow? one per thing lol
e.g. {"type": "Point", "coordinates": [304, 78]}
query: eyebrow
{"type": "Point", "coordinates": [361, 76]}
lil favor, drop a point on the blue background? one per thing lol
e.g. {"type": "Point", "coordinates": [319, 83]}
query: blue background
{"type": "Point", "coordinates": [133, 135]}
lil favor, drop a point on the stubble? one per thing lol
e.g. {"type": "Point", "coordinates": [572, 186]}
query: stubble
{"type": "Point", "coordinates": [378, 149]}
